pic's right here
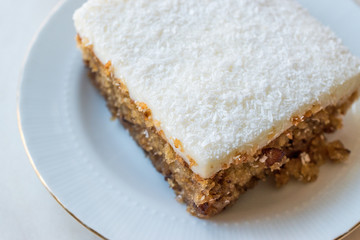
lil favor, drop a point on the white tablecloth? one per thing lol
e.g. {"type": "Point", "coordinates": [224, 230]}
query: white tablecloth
{"type": "Point", "coordinates": [27, 210]}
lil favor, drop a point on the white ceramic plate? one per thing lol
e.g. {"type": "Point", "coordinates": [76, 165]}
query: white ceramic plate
{"type": "Point", "coordinates": [97, 172]}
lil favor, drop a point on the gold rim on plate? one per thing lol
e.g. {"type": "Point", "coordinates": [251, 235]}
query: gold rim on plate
{"type": "Point", "coordinates": [44, 183]}
{"type": "Point", "coordinates": [33, 40]}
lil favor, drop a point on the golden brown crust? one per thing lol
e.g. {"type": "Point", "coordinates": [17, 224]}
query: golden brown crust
{"type": "Point", "coordinates": [297, 153]}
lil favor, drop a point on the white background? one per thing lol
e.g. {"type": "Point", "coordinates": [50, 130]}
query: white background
{"type": "Point", "coordinates": [27, 210]}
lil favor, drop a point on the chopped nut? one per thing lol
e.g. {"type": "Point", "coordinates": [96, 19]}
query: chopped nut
{"type": "Point", "coordinates": [142, 105]}
{"type": "Point", "coordinates": [308, 114]}
{"type": "Point", "coordinates": [224, 166]}
{"type": "Point", "coordinates": [263, 158]}
{"type": "Point", "coordinates": [289, 135]}
{"type": "Point", "coordinates": [107, 65]}
{"type": "Point", "coordinates": [295, 120]}
{"type": "Point", "coordinates": [161, 133]}
{"type": "Point", "coordinates": [305, 158]}
{"type": "Point", "coordinates": [192, 161]}
{"type": "Point", "coordinates": [273, 155]}
{"type": "Point", "coordinates": [178, 144]}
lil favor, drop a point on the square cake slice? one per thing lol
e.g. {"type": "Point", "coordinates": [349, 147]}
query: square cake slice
{"type": "Point", "coordinates": [221, 93]}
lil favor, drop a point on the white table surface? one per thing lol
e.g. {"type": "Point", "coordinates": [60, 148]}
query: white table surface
{"type": "Point", "coordinates": [27, 210]}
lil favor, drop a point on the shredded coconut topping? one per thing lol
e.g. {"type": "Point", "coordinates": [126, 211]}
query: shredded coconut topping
{"type": "Point", "coordinates": [220, 75]}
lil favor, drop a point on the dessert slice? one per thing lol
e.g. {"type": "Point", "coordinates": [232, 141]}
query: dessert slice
{"type": "Point", "coordinates": [221, 93]}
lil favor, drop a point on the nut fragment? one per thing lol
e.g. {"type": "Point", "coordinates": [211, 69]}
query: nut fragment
{"type": "Point", "coordinates": [274, 155]}
{"type": "Point", "coordinates": [305, 158]}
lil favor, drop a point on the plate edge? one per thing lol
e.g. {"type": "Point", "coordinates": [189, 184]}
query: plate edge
{"type": "Point", "coordinates": [22, 136]}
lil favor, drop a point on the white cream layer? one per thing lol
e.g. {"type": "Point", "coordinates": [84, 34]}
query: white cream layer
{"type": "Point", "coordinates": [220, 75]}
